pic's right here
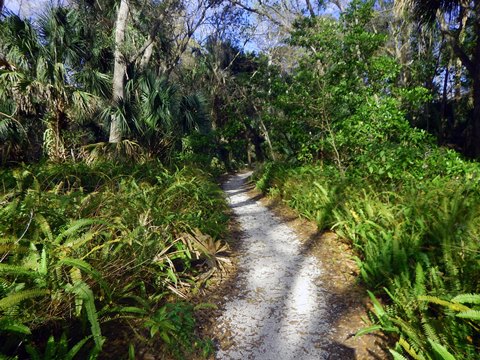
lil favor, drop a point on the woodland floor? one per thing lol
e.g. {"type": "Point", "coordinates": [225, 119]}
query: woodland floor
{"type": "Point", "coordinates": [291, 292]}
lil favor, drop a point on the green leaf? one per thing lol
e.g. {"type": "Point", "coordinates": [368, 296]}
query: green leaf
{"type": "Point", "coordinates": [76, 348]}
{"type": "Point", "coordinates": [397, 356]}
{"type": "Point", "coordinates": [441, 350]}
{"type": "Point", "coordinates": [470, 314]}
{"type": "Point", "coordinates": [74, 228]}
{"type": "Point", "coordinates": [379, 311]}
{"type": "Point", "coordinates": [34, 354]}
{"type": "Point", "coordinates": [83, 291]}
{"type": "Point", "coordinates": [82, 265]}
{"type": "Point", "coordinates": [8, 325]}
{"type": "Point", "coordinates": [15, 298]}
{"type": "Point", "coordinates": [50, 350]}
{"type": "Point", "coordinates": [467, 298]}
{"type": "Point", "coordinates": [368, 330]}
{"type": "Point", "coordinates": [17, 270]}
{"type": "Point", "coordinates": [451, 305]}
{"type": "Point", "coordinates": [131, 352]}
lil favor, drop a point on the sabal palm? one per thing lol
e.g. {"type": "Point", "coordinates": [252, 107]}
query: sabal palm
{"type": "Point", "coordinates": [426, 11]}
{"type": "Point", "coordinates": [42, 78]}
{"type": "Point", "coordinates": [164, 114]}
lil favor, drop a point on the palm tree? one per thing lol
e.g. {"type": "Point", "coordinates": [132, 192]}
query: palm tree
{"type": "Point", "coordinates": [163, 114]}
{"type": "Point", "coordinates": [40, 80]}
{"type": "Point", "coordinates": [456, 18]}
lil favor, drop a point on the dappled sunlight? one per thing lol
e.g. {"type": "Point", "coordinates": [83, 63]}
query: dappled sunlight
{"type": "Point", "coordinates": [280, 311]}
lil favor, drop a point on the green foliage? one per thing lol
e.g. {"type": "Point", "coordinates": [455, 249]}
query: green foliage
{"type": "Point", "coordinates": [416, 239]}
{"type": "Point", "coordinates": [410, 209]}
{"type": "Point", "coordinates": [175, 325]}
{"type": "Point", "coordinates": [82, 245]}
{"type": "Point", "coordinates": [58, 350]}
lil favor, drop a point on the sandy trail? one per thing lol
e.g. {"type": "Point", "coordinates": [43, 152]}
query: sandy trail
{"type": "Point", "coordinates": [279, 311]}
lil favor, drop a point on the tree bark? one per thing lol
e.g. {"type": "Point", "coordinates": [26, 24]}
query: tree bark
{"type": "Point", "coordinates": [310, 8]}
{"type": "Point", "coordinates": [267, 138]}
{"type": "Point", "coordinates": [475, 139]}
{"type": "Point", "coordinates": [119, 70]}
{"type": "Point", "coordinates": [147, 54]}
{"type": "Point", "coordinates": [443, 115]}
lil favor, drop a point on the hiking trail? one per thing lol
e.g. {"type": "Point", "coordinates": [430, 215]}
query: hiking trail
{"type": "Point", "coordinates": [279, 309]}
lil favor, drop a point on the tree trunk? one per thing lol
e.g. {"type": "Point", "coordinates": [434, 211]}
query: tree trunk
{"type": "Point", "coordinates": [310, 8]}
{"type": "Point", "coordinates": [119, 70]}
{"type": "Point", "coordinates": [475, 140]}
{"type": "Point", "coordinates": [267, 138]}
{"type": "Point", "coordinates": [443, 115]}
{"type": "Point", "coordinates": [146, 55]}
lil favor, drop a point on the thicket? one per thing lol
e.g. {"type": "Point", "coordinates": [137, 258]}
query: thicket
{"type": "Point", "coordinates": [410, 209]}
{"type": "Point", "coordinates": [101, 245]}
{"type": "Point", "coordinates": [105, 246]}
{"type": "Point", "coordinates": [89, 245]}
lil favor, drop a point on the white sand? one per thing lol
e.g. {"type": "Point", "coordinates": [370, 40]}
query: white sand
{"type": "Point", "coordinates": [279, 312]}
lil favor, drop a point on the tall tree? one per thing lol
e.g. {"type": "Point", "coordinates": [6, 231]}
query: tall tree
{"type": "Point", "coordinates": [456, 19]}
{"type": "Point", "coordinates": [119, 71]}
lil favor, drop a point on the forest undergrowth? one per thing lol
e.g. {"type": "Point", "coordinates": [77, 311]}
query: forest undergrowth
{"type": "Point", "coordinates": [416, 235]}
{"type": "Point", "coordinates": [86, 248]}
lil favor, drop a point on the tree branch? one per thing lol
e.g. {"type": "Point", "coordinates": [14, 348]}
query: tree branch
{"type": "Point", "coordinates": [456, 46]}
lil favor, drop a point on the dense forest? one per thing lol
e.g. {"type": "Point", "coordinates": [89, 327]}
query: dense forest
{"type": "Point", "coordinates": [117, 118]}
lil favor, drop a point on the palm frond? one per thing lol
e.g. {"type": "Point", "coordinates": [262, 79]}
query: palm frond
{"type": "Point", "coordinates": [425, 11]}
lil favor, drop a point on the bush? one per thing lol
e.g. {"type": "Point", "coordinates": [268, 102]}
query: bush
{"type": "Point", "coordinates": [101, 243]}
{"type": "Point", "coordinates": [416, 238]}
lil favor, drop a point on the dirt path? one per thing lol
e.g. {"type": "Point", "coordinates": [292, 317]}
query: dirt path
{"type": "Point", "coordinates": [280, 308]}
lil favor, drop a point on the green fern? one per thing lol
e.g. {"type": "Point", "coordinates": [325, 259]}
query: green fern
{"type": "Point", "coordinates": [84, 292]}
{"type": "Point", "coordinates": [410, 349]}
{"type": "Point", "coordinates": [467, 298]}
{"type": "Point", "coordinates": [11, 325]}
{"type": "Point", "coordinates": [470, 315]}
{"type": "Point", "coordinates": [44, 226]}
{"type": "Point", "coordinates": [396, 355]}
{"type": "Point", "coordinates": [74, 228]}
{"type": "Point", "coordinates": [17, 297]}
{"type": "Point", "coordinates": [448, 304]}
{"type": "Point", "coordinates": [88, 269]}
{"type": "Point", "coordinates": [57, 349]}
{"type": "Point", "coordinates": [17, 270]}
{"type": "Point", "coordinates": [441, 350]}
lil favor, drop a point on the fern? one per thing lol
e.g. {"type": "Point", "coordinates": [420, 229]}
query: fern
{"type": "Point", "coordinates": [44, 226]}
{"type": "Point", "coordinates": [450, 305]}
{"type": "Point", "coordinates": [17, 297]}
{"type": "Point", "coordinates": [57, 349]}
{"type": "Point", "coordinates": [396, 355]}
{"type": "Point", "coordinates": [409, 349]}
{"type": "Point", "coordinates": [467, 298]}
{"type": "Point", "coordinates": [88, 269]}
{"type": "Point", "coordinates": [74, 228]}
{"type": "Point", "coordinates": [10, 325]}
{"type": "Point", "coordinates": [441, 350]}
{"type": "Point", "coordinates": [17, 270]}
{"type": "Point", "coordinates": [470, 315]}
{"type": "Point", "coordinates": [84, 292]}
